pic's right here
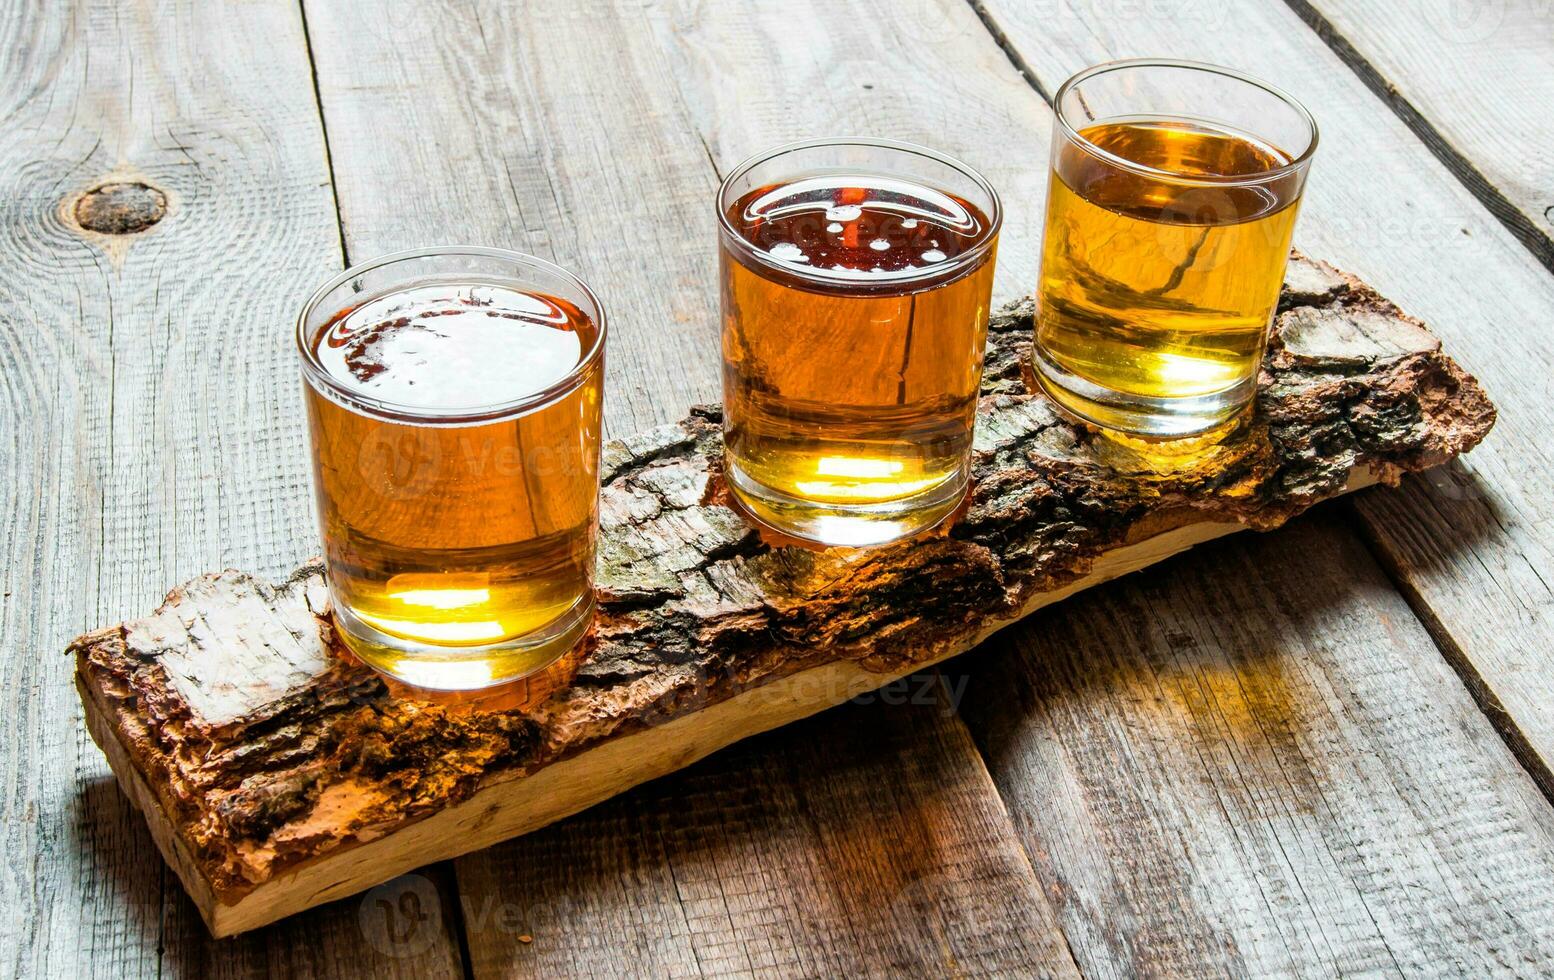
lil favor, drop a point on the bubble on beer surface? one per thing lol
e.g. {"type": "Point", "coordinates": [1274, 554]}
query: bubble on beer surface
{"type": "Point", "coordinates": [788, 252]}
{"type": "Point", "coordinates": [859, 228]}
{"type": "Point", "coordinates": [453, 347]}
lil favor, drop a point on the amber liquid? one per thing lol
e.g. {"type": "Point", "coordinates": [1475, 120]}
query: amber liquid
{"type": "Point", "coordinates": [1156, 294]}
{"type": "Point", "coordinates": [852, 354]}
{"type": "Point", "coordinates": [460, 553]}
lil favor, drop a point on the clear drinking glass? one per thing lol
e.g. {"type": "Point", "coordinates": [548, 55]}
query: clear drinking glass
{"type": "Point", "coordinates": [453, 398]}
{"type": "Point", "coordinates": [1171, 204]}
{"type": "Point", "coordinates": [855, 278]}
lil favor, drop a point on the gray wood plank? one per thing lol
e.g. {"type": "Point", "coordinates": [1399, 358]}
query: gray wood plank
{"type": "Point", "coordinates": [862, 842]}
{"type": "Point", "coordinates": [1472, 545]}
{"type": "Point", "coordinates": [150, 424]}
{"type": "Point", "coordinates": [1229, 765]}
{"type": "Point", "coordinates": [500, 124]}
{"type": "Point", "coordinates": [1474, 81]}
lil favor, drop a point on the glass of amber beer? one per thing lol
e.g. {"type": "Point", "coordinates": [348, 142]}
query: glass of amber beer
{"type": "Point", "coordinates": [855, 276]}
{"type": "Point", "coordinates": [453, 399]}
{"type": "Point", "coordinates": [1171, 203]}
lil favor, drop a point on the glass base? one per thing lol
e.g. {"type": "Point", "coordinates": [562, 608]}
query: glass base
{"type": "Point", "coordinates": [846, 525]}
{"type": "Point", "coordinates": [463, 668]}
{"type": "Point", "coordinates": [1141, 415]}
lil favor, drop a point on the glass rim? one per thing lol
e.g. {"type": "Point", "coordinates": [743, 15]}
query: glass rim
{"type": "Point", "coordinates": [1296, 163]}
{"type": "Point", "coordinates": [968, 259]}
{"type": "Point", "coordinates": [313, 371]}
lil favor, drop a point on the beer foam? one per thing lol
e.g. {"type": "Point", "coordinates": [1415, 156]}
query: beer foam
{"type": "Point", "coordinates": [453, 346]}
{"type": "Point", "coordinates": [859, 228]}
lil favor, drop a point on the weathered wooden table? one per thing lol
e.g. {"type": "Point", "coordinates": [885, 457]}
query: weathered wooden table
{"type": "Point", "coordinates": [1321, 751]}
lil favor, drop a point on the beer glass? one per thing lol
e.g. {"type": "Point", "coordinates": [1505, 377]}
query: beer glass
{"type": "Point", "coordinates": [1171, 203]}
{"type": "Point", "coordinates": [453, 398]}
{"type": "Point", "coordinates": [855, 277]}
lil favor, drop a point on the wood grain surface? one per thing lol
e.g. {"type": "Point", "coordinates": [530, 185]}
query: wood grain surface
{"type": "Point", "coordinates": [1472, 545]}
{"type": "Point", "coordinates": [148, 415]}
{"type": "Point", "coordinates": [1472, 80]}
{"type": "Point", "coordinates": [731, 867]}
{"type": "Point", "coordinates": [1228, 765]}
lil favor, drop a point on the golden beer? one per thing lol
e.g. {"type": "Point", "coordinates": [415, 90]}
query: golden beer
{"type": "Point", "coordinates": [1165, 246]}
{"type": "Point", "coordinates": [454, 414]}
{"type": "Point", "coordinates": [855, 294]}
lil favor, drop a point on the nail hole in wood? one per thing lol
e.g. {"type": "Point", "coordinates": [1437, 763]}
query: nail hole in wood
{"type": "Point", "coordinates": [121, 208]}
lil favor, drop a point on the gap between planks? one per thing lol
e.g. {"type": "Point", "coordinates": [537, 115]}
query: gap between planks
{"type": "Point", "coordinates": [1479, 683]}
{"type": "Point", "coordinates": [1516, 221]}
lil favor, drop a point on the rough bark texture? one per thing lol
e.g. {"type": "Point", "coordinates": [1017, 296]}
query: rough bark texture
{"type": "Point", "coordinates": [266, 749]}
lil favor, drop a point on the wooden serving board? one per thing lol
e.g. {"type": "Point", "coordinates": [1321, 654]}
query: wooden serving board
{"type": "Point", "coordinates": [276, 773]}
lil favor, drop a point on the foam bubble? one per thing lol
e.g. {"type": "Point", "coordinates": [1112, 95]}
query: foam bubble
{"type": "Point", "coordinates": [452, 347]}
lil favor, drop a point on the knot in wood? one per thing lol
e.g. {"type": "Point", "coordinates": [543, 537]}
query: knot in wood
{"type": "Point", "coordinates": [121, 208]}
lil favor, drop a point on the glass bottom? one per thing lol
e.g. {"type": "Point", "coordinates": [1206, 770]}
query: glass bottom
{"type": "Point", "coordinates": [846, 525]}
{"type": "Point", "coordinates": [464, 668]}
{"type": "Point", "coordinates": [1141, 415]}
